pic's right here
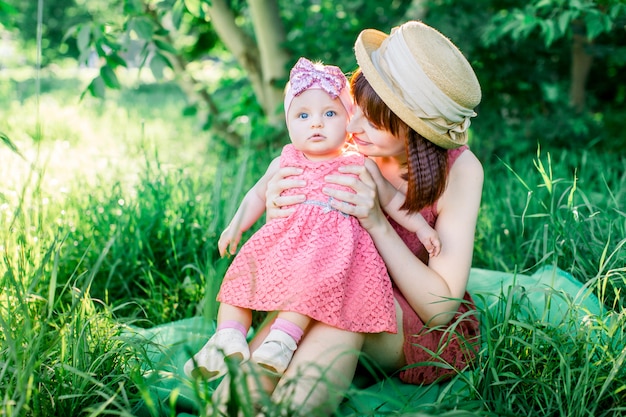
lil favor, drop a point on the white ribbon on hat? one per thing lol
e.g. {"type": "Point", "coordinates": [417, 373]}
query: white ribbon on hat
{"type": "Point", "coordinates": [419, 93]}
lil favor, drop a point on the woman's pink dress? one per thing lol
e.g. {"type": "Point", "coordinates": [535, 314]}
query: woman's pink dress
{"type": "Point", "coordinates": [435, 354]}
{"type": "Point", "coordinates": [318, 262]}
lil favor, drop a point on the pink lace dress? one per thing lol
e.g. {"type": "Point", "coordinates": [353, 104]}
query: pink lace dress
{"type": "Point", "coordinates": [318, 262]}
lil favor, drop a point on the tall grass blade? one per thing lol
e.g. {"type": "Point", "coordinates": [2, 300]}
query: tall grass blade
{"type": "Point", "coordinates": [545, 175]}
{"type": "Point", "coordinates": [9, 143]}
{"type": "Point", "coordinates": [38, 129]}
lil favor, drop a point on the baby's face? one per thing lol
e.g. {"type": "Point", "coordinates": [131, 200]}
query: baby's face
{"type": "Point", "coordinates": [317, 124]}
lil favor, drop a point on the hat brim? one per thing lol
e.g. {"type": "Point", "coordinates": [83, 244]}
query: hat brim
{"type": "Point", "coordinates": [367, 42]}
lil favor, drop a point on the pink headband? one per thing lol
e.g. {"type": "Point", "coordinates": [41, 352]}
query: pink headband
{"type": "Point", "coordinates": [306, 76]}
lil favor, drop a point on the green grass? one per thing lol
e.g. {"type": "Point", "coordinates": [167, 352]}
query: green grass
{"type": "Point", "coordinates": [109, 216]}
{"type": "Point", "coordinates": [568, 366]}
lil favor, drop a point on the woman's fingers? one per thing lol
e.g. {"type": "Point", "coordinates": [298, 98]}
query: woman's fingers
{"type": "Point", "coordinates": [286, 200]}
{"type": "Point", "coordinates": [362, 172]}
{"type": "Point", "coordinates": [363, 184]}
{"type": "Point", "coordinates": [278, 205]}
{"type": "Point", "coordinates": [361, 200]}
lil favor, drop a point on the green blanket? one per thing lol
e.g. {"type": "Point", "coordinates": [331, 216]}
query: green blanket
{"type": "Point", "coordinates": [547, 295]}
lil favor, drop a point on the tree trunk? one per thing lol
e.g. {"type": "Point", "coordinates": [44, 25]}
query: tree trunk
{"type": "Point", "coordinates": [581, 65]}
{"type": "Point", "coordinates": [239, 43]}
{"type": "Point", "coordinates": [271, 38]}
{"type": "Point", "coordinates": [264, 59]}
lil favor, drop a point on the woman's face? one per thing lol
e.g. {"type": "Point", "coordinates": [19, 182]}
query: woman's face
{"type": "Point", "coordinates": [372, 141]}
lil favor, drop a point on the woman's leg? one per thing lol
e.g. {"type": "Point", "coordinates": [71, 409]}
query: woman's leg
{"type": "Point", "coordinates": [317, 378]}
{"type": "Point", "coordinates": [321, 370]}
{"type": "Point", "coordinates": [386, 350]}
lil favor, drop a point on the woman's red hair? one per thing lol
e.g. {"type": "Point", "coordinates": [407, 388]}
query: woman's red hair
{"type": "Point", "coordinates": [427, 163]}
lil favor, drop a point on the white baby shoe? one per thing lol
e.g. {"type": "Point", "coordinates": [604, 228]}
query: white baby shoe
{"type": "Point", "coordinates": [210, 361]}
{"type": "Point", "coordinates": [275, 352]}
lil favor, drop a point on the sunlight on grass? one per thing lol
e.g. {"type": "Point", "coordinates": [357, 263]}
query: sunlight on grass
{"type": "Point", "coordinates": [68, 200]}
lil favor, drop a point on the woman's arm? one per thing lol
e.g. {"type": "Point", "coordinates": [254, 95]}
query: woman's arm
{"type": "Point", "coordinates": [250, 210]}
{"type": "Point", "coordinates": [434, 290]}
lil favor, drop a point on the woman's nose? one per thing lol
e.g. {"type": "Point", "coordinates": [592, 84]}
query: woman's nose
{"type": "Point", "coordinates": [353, 124]}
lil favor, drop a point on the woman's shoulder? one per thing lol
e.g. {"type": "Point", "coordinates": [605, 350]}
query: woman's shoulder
{"type": "Point", "coordinates": [466, 162]}
{"type": "Point", "coordinates": [465, 183]}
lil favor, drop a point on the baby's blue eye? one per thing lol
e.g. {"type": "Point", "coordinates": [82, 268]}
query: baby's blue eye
{"type": "Point", "coordinates": [330, 113]}
{"type": "Point", "coordinates": [303, 116]}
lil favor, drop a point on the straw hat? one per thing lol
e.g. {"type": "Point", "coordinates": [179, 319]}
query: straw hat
{"type": "Point", "coordinates": [423, 78]}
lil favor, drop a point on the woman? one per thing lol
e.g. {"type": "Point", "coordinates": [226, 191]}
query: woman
{"type": "Point", "coordinates": [414, 94]}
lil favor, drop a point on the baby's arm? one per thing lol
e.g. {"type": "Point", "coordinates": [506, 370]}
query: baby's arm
{"type": "Point", "coordinates": [250, 210]}
{"type": "Point", "coordinates": [392, 199]}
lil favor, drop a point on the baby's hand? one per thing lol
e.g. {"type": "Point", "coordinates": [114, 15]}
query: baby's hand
{"type": "Point", "coordinates": [430, 239]}
{"type": "Point", "coordinates": [229, 240]}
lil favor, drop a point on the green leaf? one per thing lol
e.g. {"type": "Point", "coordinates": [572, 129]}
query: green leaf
{"type": "Point", "coordinates": [164, 46]}
{"type": "Point", "coordinates": [564, 21]}
{"type": "Point", "coordinates": [160, 31]}
{"type": "Point", "coordinates": [547, 29]}
{"type": "Point", "coordinates": [525, 26]}
{"type": "Point", "coordinates": [543, 3]}
{"type": "Point", "coordinates": [507, 28]}
{"type": "Point", "coordinates": [109, 77]}
{"type": "Point", "coordinates": [85, 56]}
{"type": "Point", "coordinates": [617, 9]}
{"type": "Point", "coordinates": [83, 38]}
{"type": "Point", "coordinates": [196, 8]}
{"type": "Point", "coordinates": [114, 60]}
{"type": "Point", "coordinates": [595, 25]}
{"type": "Point", "coordinates": [111, 42]}
{"type": "Point", "coordinates": [71, 32]}
{"type": "Point", "coordinates": [96, 87]}
{"type": "Point", "coordinates": [133, 7]}
{"type": "Point", "coordinates": [142, 26]}
{"type": "Point", "coordinates": [157, 65]}
{"type": "Point", "coordinates": [177, 13]}
{"type": "Point", "coordinates": [190, 110]}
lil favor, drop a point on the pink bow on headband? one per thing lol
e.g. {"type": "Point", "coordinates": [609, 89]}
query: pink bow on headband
{"type": "Point", "coordinates": [327, 77]}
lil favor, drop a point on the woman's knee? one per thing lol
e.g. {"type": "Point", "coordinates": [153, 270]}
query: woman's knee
{"type": "Point", "coordinates": [321, 370]}
{"type": "Point", "coordinates": [386, 350]}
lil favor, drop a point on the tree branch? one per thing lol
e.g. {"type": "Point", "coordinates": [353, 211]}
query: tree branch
{"type": "Point", "coordinates": [193, 88]}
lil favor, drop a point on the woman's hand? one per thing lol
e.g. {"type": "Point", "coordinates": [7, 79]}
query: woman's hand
{"type": "Point", "coordinates": [363, 202]}
{"type": "Point", "coordinates": [277, 205]}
